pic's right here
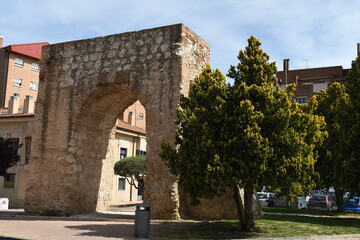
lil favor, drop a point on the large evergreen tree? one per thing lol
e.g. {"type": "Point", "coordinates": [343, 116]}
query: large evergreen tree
{"type": "Point", "coordinates": [246, 135]}
{"type": "Point", "coordinates": [286, 154]}
{"type": "Point", "coordinates": [196, 160]}
{"type": "Point", "coordinates": [333, 160]}
{"type": "Point", "coordinates": [338, 164]}
{"type": "Point", "coordinates": [353, 128]}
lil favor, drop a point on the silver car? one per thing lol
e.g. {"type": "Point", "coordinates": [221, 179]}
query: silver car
{"type": "Point", "coordinates": [324, 202]}
{"type": "Point", "coordinates": [266, 199]}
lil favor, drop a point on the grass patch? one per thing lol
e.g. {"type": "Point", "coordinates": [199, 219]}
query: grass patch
{"type": "Point", "coordinates": [224, 229]}
{"type": "Point", "coordinates": [295, 226]}
{"type": "Point", "coordinates": [270, 225]}
{"type": "Point", "coordinates": [299, 211]}
{"type": "Point", "coordinates": [309, 212]}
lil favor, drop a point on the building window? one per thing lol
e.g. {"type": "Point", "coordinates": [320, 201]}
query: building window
{"type": "Point", "coordinates": [19, 62]}
{"type": "Point", "coordinates": [317, 87]}
{"type": "Point", "coordinates": [35, 67]}
{"type": "Point", "coordinates": [302, 100]}
{"type": "Point", "coordinates": [9, 180]}
{"type": "Point", "coordinates": [140, 153]}
{"type": "Point", "coordinates": [27, 149]}
{"type": "Point", "coordinates": [34, 86]}
{"type": "Point", "coordinates": [14, 143]}
{"type": "Point", "coordinates": [17, 94]}
{"type": "Point", "coordinates": [121, 184]}
{"type": "Point", "coordinates": [123, 153]}
{"type": "Point", "coordinates": [17, 82]}
{"type": "Point", "coordinates": [141, 116]}
{"type": "Point", "coordinates": [140, 183]}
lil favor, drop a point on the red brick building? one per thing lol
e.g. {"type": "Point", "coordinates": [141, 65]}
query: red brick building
{"type": "Point", "coordinates": [309, 81]}
{"type": "Point", "coordinates": [19, 71]}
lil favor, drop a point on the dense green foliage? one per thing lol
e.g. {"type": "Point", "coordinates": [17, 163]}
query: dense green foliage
{"type": "Point", "coordinates": [132, 168]}
{"type": "Point", "coordinates": [286, 158]}
{"type": "Point", "coordinates": [8, 155]}
{"type": "Point", "coordinates": [339, 157]}
{"type": "Point", "coordinates": [197, 161]}
{"type": "Point", "coordinates": [353, 126]}
{"type": "Point", "coordinates": [253, 66]}
{"type": "Point", "coordinates": [246, 135]}
{"type": "Point", "coordinates": [333, 157]}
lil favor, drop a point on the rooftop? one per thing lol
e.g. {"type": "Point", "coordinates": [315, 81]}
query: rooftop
{"type": "Point", "coordinates": [28, 49]}
{"type": "Point", "coordinates": [4, 114]}
{"type": "Point", "coordinates": [126, 126]}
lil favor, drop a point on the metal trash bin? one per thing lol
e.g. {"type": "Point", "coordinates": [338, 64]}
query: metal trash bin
{"type": "Point", "coordinates": [142, 220]}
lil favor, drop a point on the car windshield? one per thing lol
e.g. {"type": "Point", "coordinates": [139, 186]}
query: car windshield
{"type": "Point", "coordinates": [262, 196]}
{"type": "Point", "coordinates": [352, 200]}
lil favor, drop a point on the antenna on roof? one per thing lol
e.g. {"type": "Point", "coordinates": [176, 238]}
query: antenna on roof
{"type": "Point", "coordinates": [307, 63]}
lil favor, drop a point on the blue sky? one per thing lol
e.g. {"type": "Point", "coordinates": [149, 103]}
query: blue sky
{"type": "Point", "coordinates": [311, 33]}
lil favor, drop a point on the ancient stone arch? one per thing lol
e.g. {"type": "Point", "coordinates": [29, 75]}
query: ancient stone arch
{"type": "Point", "coordinates": [84, 86]}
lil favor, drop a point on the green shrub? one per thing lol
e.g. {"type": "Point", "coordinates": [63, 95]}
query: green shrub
{"type": "Point", "coordinates": [132, 168]}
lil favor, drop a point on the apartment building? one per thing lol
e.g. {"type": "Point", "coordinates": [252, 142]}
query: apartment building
{"type": "Point", "coordinates": [309, 81]}
{"type": "Point", "coordinates": [19, 71]}
{"type": "Point", "coordinates": [17, 125]}
{"type": "Point", "coordinates": [130, 135]}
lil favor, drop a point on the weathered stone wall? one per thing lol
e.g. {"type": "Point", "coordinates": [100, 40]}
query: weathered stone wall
{"type": "Point", "coordinates": [84, 86]}
{"type": "Point", "coordinates": [107, 174]}
{"type": "Point", "coordinates": [222, 207]}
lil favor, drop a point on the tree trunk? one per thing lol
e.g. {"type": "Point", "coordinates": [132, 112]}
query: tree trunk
{"type": "Point", "coordinates": [240, 208]}
{"type": "Point", "coordinates": [339, 193]}
{"type": "Point", "coordinates": [249, 218]}
{"type": "Point", "coordinates": [131, 189]}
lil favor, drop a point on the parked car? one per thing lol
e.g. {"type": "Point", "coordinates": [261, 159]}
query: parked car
{"type": "Point", "coordinates": [266, 199]}
{"type": "Point", "coordinates": [300, 203]}
{"type": "Point", "coordinates": [315, 192]}
{"type": "Point", "coordinates": [352, 204]}
{"type": "Point", "coordinates": [332, 194]}
{"type": "Point", "coordinates": [324, 202]}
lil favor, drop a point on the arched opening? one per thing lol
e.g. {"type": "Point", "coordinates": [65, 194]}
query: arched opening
{"type": "Point", "coordinates": [98, 147]}
{"type": "Point", "coordinates": [85, 86]}
{"type": "Point", "coordinates": [129, 141]}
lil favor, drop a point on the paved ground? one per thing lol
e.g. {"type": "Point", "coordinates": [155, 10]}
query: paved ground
{"type": "Point", "coordinates": [101, 226]}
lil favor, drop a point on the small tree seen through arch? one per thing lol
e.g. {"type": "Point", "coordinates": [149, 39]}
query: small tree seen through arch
{"type": "Point", "coordinates": [133, 169]}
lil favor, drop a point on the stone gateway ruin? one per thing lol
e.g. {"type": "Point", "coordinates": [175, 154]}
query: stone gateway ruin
{"type": "Point", "coordinates": [84, 86]}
